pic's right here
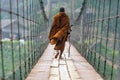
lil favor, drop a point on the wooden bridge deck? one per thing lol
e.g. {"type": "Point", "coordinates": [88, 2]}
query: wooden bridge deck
{"type": "Point", "coordinates": [74, 67]}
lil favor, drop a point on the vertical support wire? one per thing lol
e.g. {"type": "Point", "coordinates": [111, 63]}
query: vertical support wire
{"type": "Point", "coordinates": [85, 23]}
{"type": "Point", "coordinates": [83, 31]}
{"type": "Point", "coordinates": [28, 34]}
{"type": "Point", "coordinates": [19, 41]}
{"type": "Point", "coordinates": [34, 39]}
{"type": "Point", "coordinates": [13, 66]}
{"type": "Point", "coordinates": [32, 35]}
{"type": "Point", "coordinates": [38, 30]}
{"type": "Point", "coordinates": [97, 30]}
{"type": "Point", "coordinates": [35, 30]}
{"type": "Point", "coordinates": [90, 28]}
{"type": "Point", "coordinates": [1, 48]}
{"type": "Point", "coordinates": [34, 50]}
{"type": "Point", "coordinates": [27, 48]}
{"type": "Point", "coordinates": [24, 37]}
{"type": "Point", "coordinates": [82, 34]}
{"type": "Point", "coordinates": [115, 39]}
{"type": "Point", "coordinates": [87, 30]}
{"type": "Point", "coordinates": [32, 31]}
{"type": "Point", "coordinates": [101, 32]}
{"type": "Point", "coordinates": [94, 29]}
{"type": "Point", "coordinates": [29, 37]}
{"type": "Point", "coordinates": [81, 24]}
{"type": "Point", "coordinates": [108, 27]}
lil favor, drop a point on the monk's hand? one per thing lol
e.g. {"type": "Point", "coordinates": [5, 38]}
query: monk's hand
{"type": "Point", "coordinates": [53, 41]}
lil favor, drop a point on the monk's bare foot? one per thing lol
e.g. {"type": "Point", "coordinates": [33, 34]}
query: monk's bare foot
{"type": "Point", "coordinates": [56, 55]}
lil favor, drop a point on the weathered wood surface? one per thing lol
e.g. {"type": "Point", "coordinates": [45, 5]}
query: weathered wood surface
{"type": "Point", "coordinates": [74, 67]}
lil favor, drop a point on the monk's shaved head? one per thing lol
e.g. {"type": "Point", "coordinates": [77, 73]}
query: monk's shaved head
{"type": "Point", "coordinates": [62, 9]}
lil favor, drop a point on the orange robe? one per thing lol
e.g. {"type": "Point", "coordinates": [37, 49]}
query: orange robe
{"type": "Point", "coordinates": [58, 33]}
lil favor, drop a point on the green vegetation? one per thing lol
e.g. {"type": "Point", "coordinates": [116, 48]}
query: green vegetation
{"type": "Point", "coordinates": [99, 66]}
{"type": "Point", "coordinates": [20, 52]}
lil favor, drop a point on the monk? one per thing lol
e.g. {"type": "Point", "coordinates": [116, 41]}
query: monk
{"type": "Point", "coordinates": [59, 31]}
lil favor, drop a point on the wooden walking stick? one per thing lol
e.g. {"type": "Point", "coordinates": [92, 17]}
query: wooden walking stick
{"type": "Point", "coordinates": [69, 41]}
{"type": "Point", "coordinates": [69, 45]}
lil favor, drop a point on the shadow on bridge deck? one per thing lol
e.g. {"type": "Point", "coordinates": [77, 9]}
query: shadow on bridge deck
{"type": "Point", "coordinates": [73, 68]}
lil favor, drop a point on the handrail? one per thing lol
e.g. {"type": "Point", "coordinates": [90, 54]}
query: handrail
{"type": "Point", "coordinates": [21, 39]}
{"type": "Point", "coordinates": [100, 25]}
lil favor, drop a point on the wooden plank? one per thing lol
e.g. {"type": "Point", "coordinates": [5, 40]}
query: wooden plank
{"type": "Point", "coordinates": [64, 73]}
{"type": "Point", "coordinates": [62, 62]}
{"type": "Point", "coordinates": [42, 69]}
{"type": "Point", "coordinates": [72, 70]}
{"type": "Point", "coordinates": [54, 74]}
{"type": "Point", "coordinates": [55, 63]}
{"type": "Point", "coordinates": [85, 70]}
{"type": "Point", "coordinates": [66, 55]}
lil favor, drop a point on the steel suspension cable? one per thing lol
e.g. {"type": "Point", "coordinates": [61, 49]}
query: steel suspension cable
{"type": "Point", "coordinates": [43, 10]}
{"type": "Point", "coordinates": [81, 10]}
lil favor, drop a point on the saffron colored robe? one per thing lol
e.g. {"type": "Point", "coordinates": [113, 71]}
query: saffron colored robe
{"type": "Point", "coordinates": [59, 29]}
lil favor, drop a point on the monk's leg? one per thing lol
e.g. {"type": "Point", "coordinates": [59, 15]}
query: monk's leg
{"type": "Point", "coordinates": [61, 51]}
{"type": "Point", "coordinates": [57, 54]}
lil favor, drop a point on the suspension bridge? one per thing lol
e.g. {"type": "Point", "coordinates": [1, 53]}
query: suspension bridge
{"type": "Point", "coordinates": [25, 52]}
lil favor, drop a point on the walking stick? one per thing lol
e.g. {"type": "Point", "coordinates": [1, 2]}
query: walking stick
{"type": "Point", "coordinates": [69, 45]}
{"type": "Point", "coordinates": [69, 41]}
